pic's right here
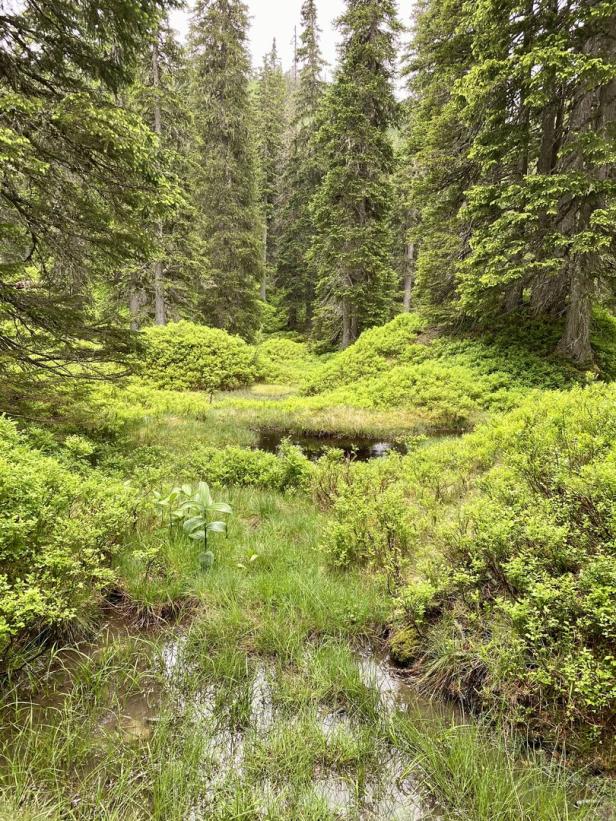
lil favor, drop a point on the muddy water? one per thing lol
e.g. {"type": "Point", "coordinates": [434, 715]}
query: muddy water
{"type": "Point", "coordinates": [391, 794]}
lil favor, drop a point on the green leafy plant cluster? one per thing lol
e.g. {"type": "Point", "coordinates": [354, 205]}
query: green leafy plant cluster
{"type": "Point", "coordinates": [289, 469]}
{"type": "Point", "coordinates": [283, 361]}
{"type": "Point", "coordinates": [183, 356]}
{"type": "Point", "coordinates": [503, 549]}
{"type": "Point", "coordinates": [59, 529]}
{"type": "Point", "coordinates": [194, 509]}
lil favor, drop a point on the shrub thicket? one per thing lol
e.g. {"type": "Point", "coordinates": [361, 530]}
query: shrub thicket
{"type": "Point", "coordinates": [371, 355]}
{"type": "Point", "coordinates": [284, 361]}
{"type": "Point", "coordinates": [450, 382]}
{"type": "Point", "coordinates": [502, 547]}
{"type": "Point", "coordinates": [186, 357]}
{"type": "Point", "coordinates": [289, 469]}
{"type": "Point", "coordinates": [59, 527]}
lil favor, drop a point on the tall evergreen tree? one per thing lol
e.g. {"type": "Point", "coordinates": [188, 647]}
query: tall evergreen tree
{"type": "Point", "coordinates": [435, 167]}
{"type": "Point", "coordinates": [532, 175]}
{"type": "Point", "coordinates": [165, 288]}
{"type": "Point", "coordinates": [543, 88]}
{"type": "Point", "coordinates": [352, 210]}
{"type": "Point", "coordinates": [271, 122]}
{"type": "Point", "coordinates": [226, 182]}
{"type": "Point", "coordinates": [80, 177]}
{"type": "Point", "coordinates": [302, 177]}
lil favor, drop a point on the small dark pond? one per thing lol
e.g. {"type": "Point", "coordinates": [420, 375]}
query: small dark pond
{"type": "Point", "coordinates": [358, 449]}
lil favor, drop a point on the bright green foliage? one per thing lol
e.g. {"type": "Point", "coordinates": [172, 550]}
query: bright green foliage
{"type": "Point", "coordinates": [271, 104]}
{"type": "Point", "coordinates": [449, 381]}
{"type": "Point", "coordinates": [507, 541]}
{"type": "Point", "coordinates": [371, 355]}
{"type": "Point", "coordinates": [198, 510]}
{"type": "Point", "coordinates": [287, 470]}
{"type": "Point", "coordinates": [302, 177]}
{"type": "Point", "coordinates": [352, 249]}
{"type": "Point", "coordinates": [59, 528]}
{"type": "Point", "coordinates": [226, 179]}
{"type": "Point", "coordinates": [183, 356]}
{"type": "Point", "coordinates": [451, 397]}
{"type": "Point", "coordinates": [285, 362]}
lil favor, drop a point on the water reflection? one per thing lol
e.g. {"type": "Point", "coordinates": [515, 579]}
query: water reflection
{"type": "Point", "coordinates": [358, 449]}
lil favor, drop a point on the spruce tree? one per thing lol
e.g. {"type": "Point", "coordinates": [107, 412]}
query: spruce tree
{"type": "Point", "coordinates": [81, 181]}
{"type": "Point", "coordinates": [302, 177]}
{"type": "Point", "coordinates": [226, 179]}
{"type": "Point", "coordinates": [544, 89]}
{"type": "Point", "coordinates": [164, 287]}
{"type": "Point", "coordinates": [271, 122]}
{"type": "Point", "coordinates": [535, 199]}
{"type": "Point", "coordinates": [352, 210]}
{"type": "Point", "coordinates": [435, 167]}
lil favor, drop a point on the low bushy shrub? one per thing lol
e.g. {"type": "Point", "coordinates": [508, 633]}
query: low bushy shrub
{"type": "Point", "coordinates": [450, 381]}
{"type": "Point", "coordinates": [289, 469]}
{"type": "Point", "coordinates": [283, 361]}
{"type": "Point", "coordinates": [507, 544]}
{"type": "Point", "coordinates": [449, 397]}
{"type": "Point", "coordinates": [58, 532]}
{"type": "Point", "coordinates": [182, 356]}
{"type": "Point", "coordinates": [371, 355]}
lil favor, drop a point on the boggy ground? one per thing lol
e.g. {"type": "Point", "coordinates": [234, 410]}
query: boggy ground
{"type": "Point", "coordinates": [253, 690]}
{"type": "Point", "coordinates": [265, 703]}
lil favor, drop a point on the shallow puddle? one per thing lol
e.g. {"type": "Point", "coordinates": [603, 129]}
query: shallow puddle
{"type": "Point", "coordinates": [390, 792]}
{"type": "Point", "coordinates": [237, 720]}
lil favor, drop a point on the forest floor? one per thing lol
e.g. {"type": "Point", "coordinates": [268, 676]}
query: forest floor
{"type": "Point", "coordinates": [255, 690]}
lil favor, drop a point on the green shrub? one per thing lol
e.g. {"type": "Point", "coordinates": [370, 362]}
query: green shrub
{"type": "Point", "coordinates": [283, 361]}
{"type": "Point", "coordinates": [289, 469]}
{"type": "Point", "coordinates": [186, 357]}
{"type": "Point", "coordinates": [451, 381]}
{"type": "Point", "coordinates": [58, 531]}
{"type": "Point", "coordinates": [507, 542]}
{"type": "Point", "coordinates": [449, 397]}
{"type": "Point", "coordinates": [370, 356]}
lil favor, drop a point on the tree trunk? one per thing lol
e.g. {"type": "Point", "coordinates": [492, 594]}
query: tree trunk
{"type": "Point", "coordinates": [160, 307]}
{"type": "Point", "coordinates": [514, 298]}
{"type": "Point", "coordinates": [134, 303]}
{"type": "Point", "coordinates": [263, 288]}
{"type": "Point", "coordinates": [354, 327]}
{"type": "Point", "coordinates": [575, 344]}
{"type": "Point", "coordinates": [409, 278]}
{"type": "Point", "coordinates": [346, 322]}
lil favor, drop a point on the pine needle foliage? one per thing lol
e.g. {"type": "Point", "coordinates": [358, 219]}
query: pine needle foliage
{"type": "Point", "coordinates": [352, 210]}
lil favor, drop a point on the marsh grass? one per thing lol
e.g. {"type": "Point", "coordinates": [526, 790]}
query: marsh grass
{"type": "Point", "coordinates": [466, 767]}
{"type": "Point", "coordinates": [244, 696]}
{"type": "Point", "coordinates": [256, 709]}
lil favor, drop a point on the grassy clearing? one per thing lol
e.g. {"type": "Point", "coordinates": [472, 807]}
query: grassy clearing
{"type": "Point", "coordinates": [259, 708]}
{"type": "Point", "coordinates": [246, 693]}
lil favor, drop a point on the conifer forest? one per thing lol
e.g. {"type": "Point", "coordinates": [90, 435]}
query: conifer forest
{"type": "Point", "coordinates": [308, 410]}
